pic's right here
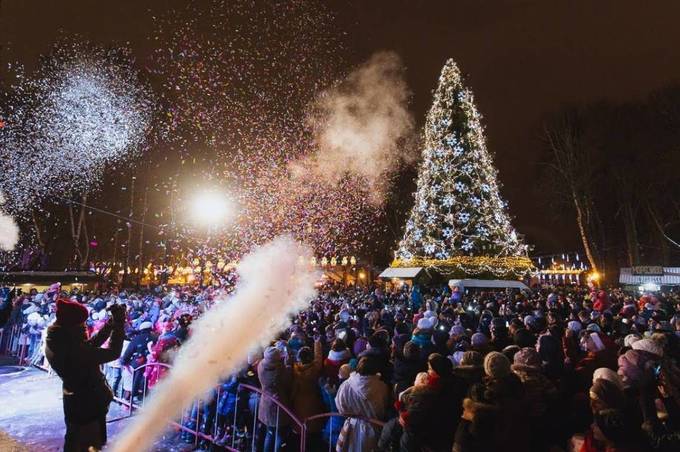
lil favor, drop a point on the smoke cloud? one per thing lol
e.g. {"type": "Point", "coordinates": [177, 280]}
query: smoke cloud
{"type": "Point", "coordinates": [274, 282]}
{"type": "Point", "coordinates": [9, 231]}
{"type": "Point", "coordinates": [362, 126]}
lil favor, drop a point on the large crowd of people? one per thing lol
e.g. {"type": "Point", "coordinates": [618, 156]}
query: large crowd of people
{"type": "Point", "coordinates": [418, 368]}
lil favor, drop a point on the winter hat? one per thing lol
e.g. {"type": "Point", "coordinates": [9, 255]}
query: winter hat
{"type": "Point", "coordinates": [496, 365]}
{"type": "Point", "coordinates": [70, 313]}
{"type": "Point", "coordinates": [526, 358]}
{"type": "Point", "coordinates": [439, 364]}
{"type": "Point", "coordinates": [608, 393]}
{"type": "Point", "coordinates": [630, 339]}
{"type": "Point", "coordinates": [426, 323]}
{"type": "Point", "coordinates": [597, 342]}
{"type": "Point", "coordinates": [529, 321]}
{"type": "Point", "coordinates": [479, 340]}
{"type": "Point", "coordinates": [471, 358]}
{"type": "Point", "coordinates": [604, 373]}
{"type": "Point", "coordinates": [593, 328]}
{"type": "Point", "coordinates": [145, 326]}
{"type": "Point", "coordinates": [272, 353]}
{"type": "Point", "coordinates": [648, 345]}
{"type": "Point", "coordinates": [457, 330]}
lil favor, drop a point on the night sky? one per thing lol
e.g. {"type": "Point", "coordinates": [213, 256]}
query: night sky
{"type": "Point", "coordinates": [523, 59]}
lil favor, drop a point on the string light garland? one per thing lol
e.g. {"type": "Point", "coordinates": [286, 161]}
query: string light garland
{"type": "Point", "coordinates": [501, 267]}
{"type": "Point", "coordinates": [459, 223]}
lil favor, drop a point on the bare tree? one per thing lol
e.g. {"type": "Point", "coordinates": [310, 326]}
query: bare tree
{"type": "Point", "coordinates": [571, 161]}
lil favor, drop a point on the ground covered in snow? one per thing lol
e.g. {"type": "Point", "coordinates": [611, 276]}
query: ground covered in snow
{"type": "Point", "coordinates": [31, 416]}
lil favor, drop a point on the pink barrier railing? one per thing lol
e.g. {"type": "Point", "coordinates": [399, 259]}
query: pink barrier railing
{"type": "Point", "coordinates": [236, 433]}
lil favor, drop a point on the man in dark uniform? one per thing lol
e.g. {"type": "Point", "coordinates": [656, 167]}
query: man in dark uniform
{"type": "Point", "coordinates": [76, 359]}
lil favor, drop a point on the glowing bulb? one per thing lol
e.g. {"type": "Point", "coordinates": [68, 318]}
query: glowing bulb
{"type": "Point", "coordinates": [211, 208]}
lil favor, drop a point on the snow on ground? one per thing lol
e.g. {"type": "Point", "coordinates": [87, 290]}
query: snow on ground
{"type": "Point", "coordinates": [31, 415]}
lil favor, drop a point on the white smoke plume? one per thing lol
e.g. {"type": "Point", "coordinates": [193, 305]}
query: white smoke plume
{"type": "Point", "coordinates": [275, 281]}
{"type": "Point", "coordinates": [9, 231]}
{"type": "Point", "coordinates": [363, 126]}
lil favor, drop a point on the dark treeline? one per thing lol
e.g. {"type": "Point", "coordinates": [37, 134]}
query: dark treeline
{"type": "Point", "coordinates": [613, 169]}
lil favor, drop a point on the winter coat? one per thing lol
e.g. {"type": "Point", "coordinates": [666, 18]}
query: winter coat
{"type": "Point", "coordinates": [276, 380]}
{"type": "Point", "coordinates": [585, 368]}
{"type": "Point", "coordinates": [365, 396]}
{"type": "Point", "coordinates": [507, 394]}
{"type": "Point", "coordinates": [539, 391]}
{"type": "Point", "coordinates": [77, 362]}
{"type": "Point", "coordinates": [469, 374]}
{"type": "Point", "coordinates": [306, 394]}
{"type": "Point", "coordinates": [226, 405]}
{"type": "Point", "coordinates": [135, 353]}
{"type": "Point", "coordinates": [467, 440]}
{"type": "Point", "coordinates": [405, 371]}
{"type": "Point", "coordinates": [433, 412]}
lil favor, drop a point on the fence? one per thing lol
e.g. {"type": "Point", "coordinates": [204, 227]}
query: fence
{"type": "Point", "coordinates": [229, 420]}
{"type": "Point", "coordinates": [15, 343]}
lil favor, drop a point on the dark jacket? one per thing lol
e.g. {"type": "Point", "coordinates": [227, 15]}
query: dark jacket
{"type": "Point", "coordinates": [86, 393]}
{"type": "Point", "coordinates": [137, 348]}
{"type": "Point", "coordinates": [276, 380]}
{"type": "Point", "coordinates": [405, 371]}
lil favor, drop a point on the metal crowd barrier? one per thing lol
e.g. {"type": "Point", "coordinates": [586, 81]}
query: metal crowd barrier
{"type": "Point", "coordinates": [237, 431]}
{"type": "Point", "coordinates": [14, 343]}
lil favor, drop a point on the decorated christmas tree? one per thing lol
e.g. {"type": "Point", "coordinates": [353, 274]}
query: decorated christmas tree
{"type": "Point", "coordinates": [459, 224]}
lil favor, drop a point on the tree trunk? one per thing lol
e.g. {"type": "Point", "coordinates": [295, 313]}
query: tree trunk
{"type": "Point", "coordinates": [661, 235]}
{"type": "Point", "coordinates": [631, 234]}
{"type": "Point", "coordinates": [140, 259]}
{"type": "Point", "coordinates": [38, 231]}
{"type": "Point", "coordinates": [128, 249]}
{"type": "Point", "coordinates": [580, 220]}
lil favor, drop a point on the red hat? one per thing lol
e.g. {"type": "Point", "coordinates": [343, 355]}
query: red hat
{"type": "Point", "coordinates": [70, 313]}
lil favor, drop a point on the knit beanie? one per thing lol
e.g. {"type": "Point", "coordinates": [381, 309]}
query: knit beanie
{"type": "Point", "coordinates": [574, 326]}
{"type": "Point", "coordinates": [606, 373]}
{"type": "Point", "coordinates": [496, 365]}
{"type": "Point", "coordinates": [471, 358]}
{"type": "Point", "coordinates": [630, 339]}
{"type": "Point", "coordinates": [648, 345]}
{"type": "Point", "coordinates": [70, 313]}
{"type": "Point", "coordinates": [526, 358]}
{"type": "Point", "coordinates": [457, 330]}
{"type": "Point", "coordinates": [479, 340]}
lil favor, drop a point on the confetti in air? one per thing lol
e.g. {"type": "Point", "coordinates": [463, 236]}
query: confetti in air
{"type": "Point", "coordinates": [9, 231]}
{"type": "Point", "coordinates": [237, 116]}
{"type": "Point", "coordinates": [83, 109]}
{"type": "Point", "coordinates": [274, 282]}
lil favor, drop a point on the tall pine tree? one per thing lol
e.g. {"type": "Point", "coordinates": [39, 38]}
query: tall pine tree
{"type": "Point", "coordinates": [459, 223]}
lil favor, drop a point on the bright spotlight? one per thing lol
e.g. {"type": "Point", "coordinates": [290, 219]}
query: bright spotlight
{"type": "Point", "coordinates": [210, 208]}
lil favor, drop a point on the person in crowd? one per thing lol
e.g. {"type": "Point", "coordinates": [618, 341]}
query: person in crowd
{"type": "Point", "coordinates": [518, 371]}
{"type": "Point", "coordinates": [276, 380]}
{"type": "Point", "coordinates": [135, 356]}
{"type": "Point", "coordinates": [305, 394]}
{"type": "Point", "coordinates": [363, 395]}
{"type": "Point", "coordinates": [77, 360]}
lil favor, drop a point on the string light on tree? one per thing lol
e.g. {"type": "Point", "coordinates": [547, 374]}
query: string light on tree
{"type": "Point", "coordinates": [459, 223]}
